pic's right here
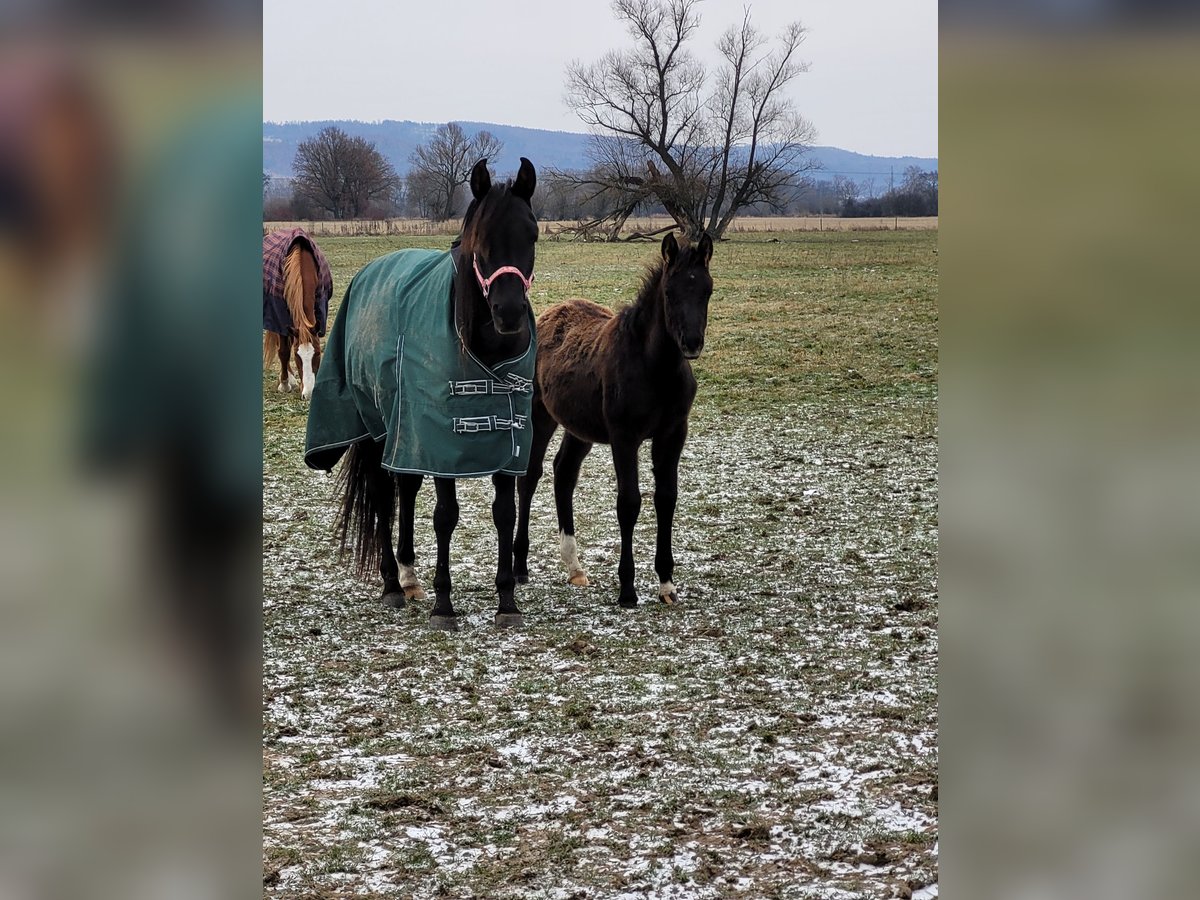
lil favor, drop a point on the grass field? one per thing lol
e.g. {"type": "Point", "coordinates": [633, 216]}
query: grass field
{"type": "Point", "coordinates": [774, 736]}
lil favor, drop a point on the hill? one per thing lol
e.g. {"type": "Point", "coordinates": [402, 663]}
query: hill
{"type": "Point", "coordinates": [551, 149]}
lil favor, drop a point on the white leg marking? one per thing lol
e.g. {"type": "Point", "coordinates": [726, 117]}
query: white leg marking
{"type": "Point", "coordinates": [667, 593]}
{"type": "Point", "coordinates": [410, 583]}
{"type": "Point", "coordinates": [569, 552]}
{"type": "Point", "coordinates": [308, 379]}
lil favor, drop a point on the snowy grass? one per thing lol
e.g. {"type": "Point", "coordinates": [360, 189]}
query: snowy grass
{"type": "Point", "coordinates": [774, 735]}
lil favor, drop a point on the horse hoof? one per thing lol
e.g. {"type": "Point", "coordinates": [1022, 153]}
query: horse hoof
{"type": "Point", "coordinates": [579, 579]}
{"type": "Point", "coordinates": [443, 623]}
{"type": "Point", "coordinates": [522, 577]}
{"type": "Point", "coordinates": [394, 600]}
{"type": "Point", "coordinates": [510, 620]}
{"type": "Point", "coordinates": [414, 592]}
{"type": "Point", "coordinates": [670, 598]}
{"type": "Point", "coordinates": [626, 603]}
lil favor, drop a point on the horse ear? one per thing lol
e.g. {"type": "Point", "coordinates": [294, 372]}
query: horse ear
{"type": "Point", "coordinates": [705, 248]}
{"type": "Point", "coordinates": [670, 249]}
{"type": "Point", "coordinates": [526, 181]}
{"type": "Point", "coordinates": [481, 181]}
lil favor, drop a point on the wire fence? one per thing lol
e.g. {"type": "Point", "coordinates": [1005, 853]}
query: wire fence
{"type": "Point", "coordinates": [742, 225]}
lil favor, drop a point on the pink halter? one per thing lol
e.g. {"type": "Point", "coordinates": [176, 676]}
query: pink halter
{"type": "Point", "coordinates": [485, 284]}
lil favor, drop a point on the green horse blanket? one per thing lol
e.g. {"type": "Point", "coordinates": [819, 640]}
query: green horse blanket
{"type": "Point", "coordinates": [395, 369]}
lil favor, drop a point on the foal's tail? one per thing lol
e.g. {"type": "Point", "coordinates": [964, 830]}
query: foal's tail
{"type": "Point", "coordinates": [368, 498]}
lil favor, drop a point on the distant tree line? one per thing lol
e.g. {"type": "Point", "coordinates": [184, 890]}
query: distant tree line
{"type": "Point", "coordinates": [916, 196]}
{"type": "Point", "coordinates": [339, 177]}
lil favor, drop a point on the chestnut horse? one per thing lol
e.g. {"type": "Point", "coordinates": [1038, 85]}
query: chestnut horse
{"type": "Point", "coordinates": [296, 291]}
{"type": "Point", "coordinates": [620, 378]}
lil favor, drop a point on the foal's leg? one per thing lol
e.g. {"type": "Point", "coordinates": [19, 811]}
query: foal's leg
{"type": "Point", "coordinates": [406, 555]}
{"type": "Point", "coordinates": [504, 514]}
{"type": "Point", "coordinates": [629, 504]}
{"type": "Point", "coordinates": [543, 429]}
{"type": "Point", "coordinates": [664, 454]}
{"type": "Point", "coordinates": [567, 463]}
{"type": "Point", "coordinates": [285, 356]}
{"type": "Point", "coordinates": [383, 498]}
{"type": "Point", "coordinates": [445, 519]}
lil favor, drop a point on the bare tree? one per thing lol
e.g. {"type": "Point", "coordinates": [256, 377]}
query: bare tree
{"type": "Point", "coordinates": [443, 165]}
{"type": "Point", "coordinates": [703, 155]}
{"type": "Point", "coordinates": [342, 175]}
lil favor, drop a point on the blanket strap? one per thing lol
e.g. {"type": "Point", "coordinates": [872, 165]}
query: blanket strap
{"type": "Point", "coordinates": [475, 424]}
{"type": "Point", "coordinates": [513, 384]}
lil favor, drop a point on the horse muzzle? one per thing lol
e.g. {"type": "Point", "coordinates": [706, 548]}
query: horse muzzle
{"type": "Point", "coordinates": [509, 320]}
{"type": "Point", "coordinates": [504, 326]}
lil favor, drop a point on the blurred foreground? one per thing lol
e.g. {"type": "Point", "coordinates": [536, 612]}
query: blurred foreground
{"type": "Point", "coordinates": [131, 479]}
{"type": "Point", "coordinates": [1070, 434]}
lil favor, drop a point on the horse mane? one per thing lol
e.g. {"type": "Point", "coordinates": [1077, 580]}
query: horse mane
{"type": "Point", "coordinates": [644, 303]}
{"type": "Point", "coordinates": [489, 212]}
{"type": "Point", "coordinates": [652, 279]}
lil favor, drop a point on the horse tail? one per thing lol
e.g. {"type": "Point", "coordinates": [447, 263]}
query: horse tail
{"type": "Point", "coordinates": [363, 486]}
{"type": "Point", "coordinates": [300, 302]}
{"type": "Point", "coordinates": [270, 347]}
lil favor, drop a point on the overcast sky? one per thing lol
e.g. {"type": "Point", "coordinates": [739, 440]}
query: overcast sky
{"type": "Point", "coordinates": [871, 86]}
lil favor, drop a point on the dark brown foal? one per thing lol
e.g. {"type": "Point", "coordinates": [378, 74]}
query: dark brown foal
{"type": "Point", "coordinates": [620, 379]}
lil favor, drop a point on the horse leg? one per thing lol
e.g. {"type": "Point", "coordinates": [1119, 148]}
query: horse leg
{"type": "Point", "coordinates": [285, 356]}
{"type": "Point", "coordinates": [664, 454]}
{"type": "Point", "coordinates": [504, 515]}
{"type": "Point", "coordinates": [445, 519]}
{"type": "Point", "coordinates": [305, 354]}
{"type": "Point", "coordinates": [316, 360]}
{"type": "Point", "coordinates": [567, 463]}
{"type": "Point", "coordinates": [543, 429]}
{"type": "Point", "coordinates": [383, 491]}
{"type": "Point", "coordinates": [629, 504]}
{"type": "Point", "coordinates": [409, 485]}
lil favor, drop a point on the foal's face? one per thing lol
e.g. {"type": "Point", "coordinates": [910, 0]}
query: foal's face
{"type": "Point", "coordinates": [688, 288]}
{"type": "Point", "coordinates": [501, 236]}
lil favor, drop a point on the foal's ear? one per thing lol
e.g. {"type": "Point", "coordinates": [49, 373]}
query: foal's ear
{"type": "Point", "coordinates": [670, 249]}
{"type": "Point", "coordinates": [481, 181]}
{"type": "Point", "coordinates": [704, 249]}
{"type": "Point", "coordinates": [526, 181]}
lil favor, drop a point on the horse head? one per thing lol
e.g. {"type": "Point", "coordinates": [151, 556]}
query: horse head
{"type": "Point", "coordinates": [499, 234]}
{"type": "Point", "coordinates": [687, 286]}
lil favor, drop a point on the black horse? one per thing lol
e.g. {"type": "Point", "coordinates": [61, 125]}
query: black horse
{"type": "Point", "coordinates": [481, 306]}
{"type": "Point", "coordinates": [620, 379]}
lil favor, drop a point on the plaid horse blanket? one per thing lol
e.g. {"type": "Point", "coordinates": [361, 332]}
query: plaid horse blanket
{"type": "Point", "coordinates": [276, 247]}
{"type": "Point", "coordinates": [396, 370]}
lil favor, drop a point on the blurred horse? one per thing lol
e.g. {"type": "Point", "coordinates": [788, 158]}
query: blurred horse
{"type": "Point", "coordinates": [58, 172]}
{"type": "Point", "coordinates": [297, 286]}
